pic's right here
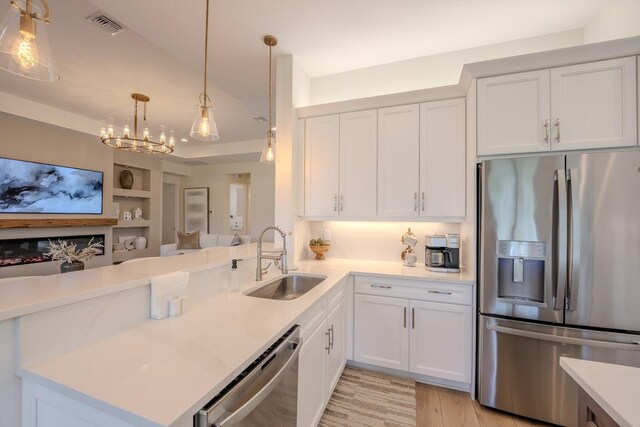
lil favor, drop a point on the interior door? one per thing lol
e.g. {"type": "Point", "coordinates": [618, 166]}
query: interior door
{"type": "Point", "coordinates": [522, 238]}
{"type": "Point", "coordinates": [603, 288]}
{"type": "Point", "coordinates": [321, 165]}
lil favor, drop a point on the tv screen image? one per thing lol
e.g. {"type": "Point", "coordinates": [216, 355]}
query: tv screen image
{"type": "Point", "coordinates": [29, 187]}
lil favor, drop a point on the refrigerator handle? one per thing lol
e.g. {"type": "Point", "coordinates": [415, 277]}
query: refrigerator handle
{"type": "Point", "coordinates": [612, 345]}
{"type": "Point", "coordinates": [559, 251]}
{"type": "Point", "coordinates": [573, 237]}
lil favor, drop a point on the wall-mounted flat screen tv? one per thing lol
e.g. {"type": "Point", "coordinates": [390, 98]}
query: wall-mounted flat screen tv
{"type": "Point", "coordinates": [29, 187]}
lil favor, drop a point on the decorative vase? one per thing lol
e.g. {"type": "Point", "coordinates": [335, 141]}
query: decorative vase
{"type": "Point", "coordinates": [126, 179]}
{"type": "Point", "coordinates": [319, 251]}
{"type": "Point", "coordinates": [66, 267]}
{"type": "Point", "coordinates": [141, 243]}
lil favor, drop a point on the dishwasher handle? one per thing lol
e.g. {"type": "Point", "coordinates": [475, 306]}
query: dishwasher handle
{"type": "Point", "coordinates": [261, 395]}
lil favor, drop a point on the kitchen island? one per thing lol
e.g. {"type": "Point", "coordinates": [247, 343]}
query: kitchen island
{"type": "Point", "coordinates": [160, 372]}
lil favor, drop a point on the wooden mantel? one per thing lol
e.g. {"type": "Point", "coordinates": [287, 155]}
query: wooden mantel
{"type": "Point", "coordinates": [57, 222]}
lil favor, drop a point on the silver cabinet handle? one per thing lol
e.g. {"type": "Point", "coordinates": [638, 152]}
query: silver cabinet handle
{"type": "Point", "coordinates": [423, 201]}
{"type": "Point", "coordinates": [405, 317]}
{"type": "Point", "coordinates": [335, 203]}
{"type": "Point", "coordinates": [557, 130]}
{"type": "Point", "coordinates": [328, 347]}
{"type": "Point", "coordinates": [341, 203]}
{"type": "Point", "coordinates": [331, 337]}
{"type": "Point", "coordinates": [381, 286]}
{"type": "Point", "coordinates": [546, 131]}
{"type": "Point", "coordinates": [431, 291]}
{"type": "Point", "coordinates": [413, 318]}
{"type": "Point", "coordinates": [415, 202]}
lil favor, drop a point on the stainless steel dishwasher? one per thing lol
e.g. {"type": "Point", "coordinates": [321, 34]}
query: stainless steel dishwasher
{"type": "Point", "coordinates": [265, 394]}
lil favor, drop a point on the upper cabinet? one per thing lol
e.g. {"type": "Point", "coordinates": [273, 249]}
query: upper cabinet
{"type": "Point", "coordinates": [321, 165]}
{"type": "Point", "coordinates": [582, 106]}
{"type": "Point", "coordinates": [398, 161]}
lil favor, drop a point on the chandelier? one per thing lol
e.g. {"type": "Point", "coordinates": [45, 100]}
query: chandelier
{"type": "Point", "coordinates": [144, 144]}
{"type": "Point", "coordinates": [23, 50]}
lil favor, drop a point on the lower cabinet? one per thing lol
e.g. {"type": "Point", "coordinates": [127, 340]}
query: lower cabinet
{"type": "Point", "coordinates": [322, 359]}
{"type": "Point", "coordinates": [400, 331]}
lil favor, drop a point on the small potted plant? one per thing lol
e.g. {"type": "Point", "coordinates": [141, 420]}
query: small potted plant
{"type": "Point", "coordinates": [73, 258]}
{"type": "Point", "coordinates": [319, 247]}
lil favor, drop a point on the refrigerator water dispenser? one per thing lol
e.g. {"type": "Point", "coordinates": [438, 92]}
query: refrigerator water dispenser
{"type": "Point", "coordinates": [521, 270]}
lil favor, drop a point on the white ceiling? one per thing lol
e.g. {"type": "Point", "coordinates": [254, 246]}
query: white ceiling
{"type": "Point", "coordinates": [160, 53]}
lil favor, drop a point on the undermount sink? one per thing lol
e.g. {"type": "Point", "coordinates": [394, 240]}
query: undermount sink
{"type": "Point", "coordinates": [287, 287]}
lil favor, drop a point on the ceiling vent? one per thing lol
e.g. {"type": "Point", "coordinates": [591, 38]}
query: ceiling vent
{"type": "Point", "coordinates": [107, 24]}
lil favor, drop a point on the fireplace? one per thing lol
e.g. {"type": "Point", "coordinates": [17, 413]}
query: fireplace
{"type": "Point", "coordinates": [31, 250]}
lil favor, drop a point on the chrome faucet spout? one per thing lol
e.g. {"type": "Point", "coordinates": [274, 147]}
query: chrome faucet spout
{"type": "Point", "coordinates": [278, 256]}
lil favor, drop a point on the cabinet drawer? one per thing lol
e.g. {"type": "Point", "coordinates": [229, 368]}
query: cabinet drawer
{"type": "Point", "coordinates": [334, 295]}
{"type": "Point", "coordinates": [423, 290]}
{"type": "Point", "coordinates": [312, 318]}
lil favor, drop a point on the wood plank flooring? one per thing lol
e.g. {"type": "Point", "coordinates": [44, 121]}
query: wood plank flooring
{"type": "Point", "coordinates": [441, 407]}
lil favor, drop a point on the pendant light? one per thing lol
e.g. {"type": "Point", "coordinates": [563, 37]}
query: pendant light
{"type": "Point", "coordinates": [204, 126]}
{"type": "Point", "coordinates": [269, 150]}
{"type": "Point", "coordinates": [24, 42]}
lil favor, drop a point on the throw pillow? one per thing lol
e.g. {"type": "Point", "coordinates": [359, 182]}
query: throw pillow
{"type": "Point", "coordinates": [236, 240]}
{"type": "Point", "coordinates": [189, 240]}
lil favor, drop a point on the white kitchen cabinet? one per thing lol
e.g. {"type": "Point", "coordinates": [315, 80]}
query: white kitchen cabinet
{"type": "Point", "coordinates": [381, 335]}
{"type": "Point", "coordinates": [593, 105]}
{"type": "Point", "coordinates": [398, 161]}
{"type": "Point", "coordinates": [442, 158]}
{"type": "Point", "coordinates": [321, 165]}
{"type": "Point", "coordinates": [358, 164]}
{"type": "Point", "coordinates": [312, 396]}
{"type": "Point", "coordinates": [340, 165]}
{"type": "Point", "coordinates": [584, 106]}
{"type": "Point", "coordinates": [440, 340]}
{"type": "Point", "coordinates": [513, 113]}
{"type": "Point", "coordinates": [337, 352]}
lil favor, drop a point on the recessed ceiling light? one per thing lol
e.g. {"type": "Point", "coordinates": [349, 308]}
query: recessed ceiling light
{"type": "Point", "coordinates": [184, 140]}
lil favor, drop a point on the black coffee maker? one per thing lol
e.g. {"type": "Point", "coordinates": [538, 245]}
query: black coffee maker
{"type": "Point", "coordinates": [442, 253]}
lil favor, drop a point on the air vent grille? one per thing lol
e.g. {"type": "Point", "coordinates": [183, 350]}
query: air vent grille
{"type": "Point", "coordinates": [107, 24]}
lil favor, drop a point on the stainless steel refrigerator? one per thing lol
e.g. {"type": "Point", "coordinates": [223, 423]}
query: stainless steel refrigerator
{"type": "Point", "coordinates": [559, 276]}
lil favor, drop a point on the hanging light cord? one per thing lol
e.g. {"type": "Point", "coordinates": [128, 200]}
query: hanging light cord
{"type": "Point", "coordinates": [206, 50]}
{"type": "Point", "coordinates": [135, 121]}
{"type": "Point", "coordinates": [270, 132]}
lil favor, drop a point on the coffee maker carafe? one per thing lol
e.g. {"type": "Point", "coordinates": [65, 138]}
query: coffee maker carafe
{"type": "Point", "coordinates": [442, 253]}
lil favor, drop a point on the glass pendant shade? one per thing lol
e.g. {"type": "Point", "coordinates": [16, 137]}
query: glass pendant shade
{"type": "Point", "coordinates": [204, 126]}
{"type": "Point", "coordinates": [269, 150]}
{"type": "Point", "coordinates": [24, 45]}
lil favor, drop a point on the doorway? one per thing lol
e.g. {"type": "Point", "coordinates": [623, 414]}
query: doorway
{"type": "Point", "coordinates": [169, 212]}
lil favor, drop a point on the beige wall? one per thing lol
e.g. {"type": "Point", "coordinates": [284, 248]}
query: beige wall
{"type": "Point", "coordinates": [617, 19]}
{"type": "Point", "coordinates": [261, 193]}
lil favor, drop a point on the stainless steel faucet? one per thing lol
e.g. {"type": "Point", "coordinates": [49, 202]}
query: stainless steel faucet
{"type": "Point", "coordinates": [277, 256]}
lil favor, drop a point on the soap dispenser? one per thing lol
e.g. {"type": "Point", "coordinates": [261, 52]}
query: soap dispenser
{"type": "Point", "coordinates": [234, 276]}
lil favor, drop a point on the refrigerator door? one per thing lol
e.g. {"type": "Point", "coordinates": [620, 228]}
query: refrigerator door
{"type": "Point", "coordinates": [519, 369]}
{"type": "Point", "coordinates": [523, 240]}
{"type": "Point", "coordinates": [604, 240]}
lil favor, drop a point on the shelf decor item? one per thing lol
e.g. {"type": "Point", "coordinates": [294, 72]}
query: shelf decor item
{"type": "Point", "coordinates": [144, 143]}
{"type": "Point", "coordinates": [141, 243]}
{"type": "Point", "coordinates": [204, 126]}
{"type": "Point", "coordinates": [24, 41]}
{"type": "Point", "coordinates": [126, 179]}
{"type": "Point", "coordinates": [319, 247]}
{"type": "Point", "coordinates": [269, 149]}
{"type": "Point", "coordinates": [73, 257]}
{"type": "Point", "coordinates": [137, 213]}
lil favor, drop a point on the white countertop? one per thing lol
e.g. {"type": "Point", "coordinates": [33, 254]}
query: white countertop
{"type": "Point", "coordinates": [613, 387]}
{"type": "Point", "coordinates": [160, 372]}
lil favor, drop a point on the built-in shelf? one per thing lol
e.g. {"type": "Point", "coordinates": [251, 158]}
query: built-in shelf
{"type": "Point", "coordinates": [121, 256]}
{"type": "Point", "coordinates": [140, 194]}
{"type": "Point", "coordinates": [57, 222]}
{"type": "Point", "coordinates": [134, 223]}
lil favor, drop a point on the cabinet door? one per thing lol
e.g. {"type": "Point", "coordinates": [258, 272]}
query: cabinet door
{"type": "Point", "coordinates": [311, 378]}
{"type": "Point", "coordinates": [358, 163]}
{"type": "Point", "coordinates": [321, 165]}
{"type": "Point", "coordinates": [442, 158]}
{"type": "Point", "coordinates": [398, 161]}
{"type": "Point", "coordinates": [381, 334]}
{"type": "Point", "coordinates": [513, 113]}
{"type": "Point", "coordinates": [440, 340]}
{"type": "Point", "coordinates": [337, 353]}
{"type": "Point", "coordinates": [594, 105]}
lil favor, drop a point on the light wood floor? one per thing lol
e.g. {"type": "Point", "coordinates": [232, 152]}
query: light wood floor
{"type": "Point", "coordinates": [441, 407]}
